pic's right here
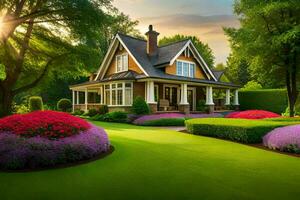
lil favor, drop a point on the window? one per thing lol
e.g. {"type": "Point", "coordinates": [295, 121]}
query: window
{"type": "Point", "coordinates": [122, 63]}
{"type": "Point", "coordinates": [186, 69]}
{"type": "Point", "coordinates": [118, 94]}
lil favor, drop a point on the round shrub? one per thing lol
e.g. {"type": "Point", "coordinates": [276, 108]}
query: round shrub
{"type": "Point", "coordinates": [49, 124]}
{"type": "Point", "coordinates": [252, 114]}
{"type": "Point", "coordinates": [64, 105]}
{"type": "Point", "coordinates": [284, 139]}
{"type": "Point", "coordinates": [103, 109]}
{"type": "Point", "coordinates": [35, 103]}
{"type": "Point", "coordinates": [17, 152]}
{"type": "Point", "coordinates": [140, 107]}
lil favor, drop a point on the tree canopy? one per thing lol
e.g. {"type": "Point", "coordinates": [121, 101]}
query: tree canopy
{"type": "Point", "coordinates": [203, 48]}
{"type": "Point", "coordinates": [44, 40]}
{"type": "Point", "coordinates": [269, 42]}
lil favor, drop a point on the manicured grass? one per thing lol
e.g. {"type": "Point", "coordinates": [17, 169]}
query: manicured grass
{"type": "Point", "coordinates": [149, 163]}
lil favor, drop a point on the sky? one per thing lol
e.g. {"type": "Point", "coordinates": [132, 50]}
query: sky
{"type": "Point", "coordinates": [202, 18]}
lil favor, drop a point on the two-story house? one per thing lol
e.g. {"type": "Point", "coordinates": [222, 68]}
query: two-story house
{"type": "Point", "coordinates": [171, 77]}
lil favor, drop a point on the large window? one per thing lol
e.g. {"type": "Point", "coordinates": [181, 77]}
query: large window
{"type": "Point", "coordinates": [186, 69]}
{"type": "Point", "coordinates": [122, 63]}
{"type": "Point", "coordinates": [118, 94]}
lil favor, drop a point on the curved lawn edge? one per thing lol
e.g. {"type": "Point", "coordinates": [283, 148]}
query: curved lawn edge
{"type": "Point", "coordinates": [66, 165]}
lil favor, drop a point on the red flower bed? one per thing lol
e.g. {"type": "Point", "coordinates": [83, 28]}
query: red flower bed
{"type": "Point", "coordinates": [50, 124]}
{"type": "Point", "coordinates": [252, 114]}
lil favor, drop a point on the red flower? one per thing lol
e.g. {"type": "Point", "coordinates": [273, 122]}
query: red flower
{"type": "Point", "coordinates": [252, 114]}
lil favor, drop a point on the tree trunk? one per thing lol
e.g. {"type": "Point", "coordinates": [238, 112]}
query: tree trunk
{"type": "Point", "coordinates": [291, 85]}
{"type": "Point", "coordinates": [6, 100]}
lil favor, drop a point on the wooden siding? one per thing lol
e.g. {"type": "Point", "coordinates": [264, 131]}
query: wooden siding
{"type": "Point", "coordinates": [199, 73]}
{"type": "Point", "coordinates": [131, 64]}
{"type": "Point", "coordinates": [138, 89]}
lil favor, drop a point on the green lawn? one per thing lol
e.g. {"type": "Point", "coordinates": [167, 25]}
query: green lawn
{"type": "Point", "coordinates": [156, 164]}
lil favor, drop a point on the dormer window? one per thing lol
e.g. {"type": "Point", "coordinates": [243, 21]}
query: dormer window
{"type": "Point", "coordinates": [122, 63]}
{"type": "Point", "coordinates": [185, 68]}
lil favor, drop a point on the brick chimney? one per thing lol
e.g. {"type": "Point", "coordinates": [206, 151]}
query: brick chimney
{"type": "Point", "coordinates": [152, 48]}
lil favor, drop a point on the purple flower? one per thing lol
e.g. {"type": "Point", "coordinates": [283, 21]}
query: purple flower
{"type": "Point", "coordinates": [17, 152]}
{"type": "Point", "coordinates": [143, 119]}
{"type": "Point", "coordinates": [283, 138]}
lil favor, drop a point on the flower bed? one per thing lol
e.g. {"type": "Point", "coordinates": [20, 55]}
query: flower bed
{"type": "Point", "coordinates": [34, 149]}
{"type": "Point", "coordinates": [252, 114]}
{"type": "Point", "coordinates": [169, 119]}
{"type": "Point", "coordinates": [284, 139]}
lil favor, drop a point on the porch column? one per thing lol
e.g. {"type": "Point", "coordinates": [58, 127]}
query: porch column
{"type": "Point", "coordinates": [209, 99]}
{"type": "Point", "coordinates": [236, 99]}
{"type": "Point", "coordinates": [101, 95]}
{"type": "Point", "coordinates": [73, 100]}
{"type": "Point", "coordinates": [77, 97]}
{"type": "Point", "coordinates": [227, 100]}
{"type": "Point", "coordinates": [150, 96]}
{"type": "Point", "coordinates": [184, 104]}
{"type": "Point", "coordinates": [86, 99]}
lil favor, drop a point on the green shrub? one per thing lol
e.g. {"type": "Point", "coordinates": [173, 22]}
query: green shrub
{"type": "Point", "coordinates": [251, 85]}
{"type": "Point", "coordinates": [92, 112]}
{"type": "Point", "coordinates": [140, 107]}
{"type": "Point", "coordinates": [201, 106]}
{"type": "Point", "coordinates": [64, 105]}
{"type": "Point", "coordinates": [78, 112]}
{"type": "Point", "coordinates": [241, 130]}
{"type": "Point", "coordinates": [274, 100]}
{"type": "Point", "coordinates": [118, 116]}
{"type": "Point", "coordinates": [35, 103]}
{"type": "Point", "coordinates": [165, 122]}
{"type": "Point", "coordinates": [21, 109]}
{"type": "Point", "coordinates": [103, 109]}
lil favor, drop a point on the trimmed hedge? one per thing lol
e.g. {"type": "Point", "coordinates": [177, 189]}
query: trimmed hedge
{"type": "Point", "coordinates": [64, 105]}
{"type": "Point", "coordinates": [241, 130]}
{"type": "Point", "coordinates": [165, 122]}
{"type": "Point", "coordinates": [118, 116]}
{"type": "Point", "coordinates": [274, 100]}
{"type": "Point", "coordinates": [35, 103]}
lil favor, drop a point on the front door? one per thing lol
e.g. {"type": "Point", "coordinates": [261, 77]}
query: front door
{"type": "Point", "coordinates": [191, 99]}
{"type": "Point", "coordinates": [171, 94]}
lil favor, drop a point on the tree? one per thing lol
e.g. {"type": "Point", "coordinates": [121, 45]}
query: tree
{"type": "Point", "coordinates": [237, 69]}
{"type": "Point", "coordinates": [269, 38]}
{"type": "Point", "coordinates": [42, 40]}
{"type": "Point", "coordinates": [204, 49]}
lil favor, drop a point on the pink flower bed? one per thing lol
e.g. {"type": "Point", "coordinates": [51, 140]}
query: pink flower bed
{"type": "Point", "coordinates": [252, 114]}
{"type": "Point", "coordinates": [143, 119]}
{"type": "Point", "coordinates": [284, 139]}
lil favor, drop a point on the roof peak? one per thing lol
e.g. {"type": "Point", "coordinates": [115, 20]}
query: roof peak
{"type": "Point", "coordinates": [165, 45]}
{"type": "Point", "coordinates": [135, 38]}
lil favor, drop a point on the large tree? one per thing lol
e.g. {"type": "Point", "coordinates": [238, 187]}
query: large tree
{"type": "Point", "coordinates": [269, 38]}
{"type": "Point", "coordinates": [51, 38]}
{"type": "Point", "coordinates": [203, 48]}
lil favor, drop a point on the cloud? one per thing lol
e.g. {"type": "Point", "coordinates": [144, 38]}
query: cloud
{"type": "Point", "coordinates": [208, 28]}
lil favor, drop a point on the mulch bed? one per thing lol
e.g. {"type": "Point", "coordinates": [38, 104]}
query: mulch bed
{"type": "Point", "coordinates": [61, 166]}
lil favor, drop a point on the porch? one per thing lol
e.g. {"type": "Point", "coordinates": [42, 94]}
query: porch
{"type": "Point", "coordinates": [161, 96]}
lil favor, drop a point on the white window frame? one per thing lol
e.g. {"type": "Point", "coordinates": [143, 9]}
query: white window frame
{"type": "Point", "coordinates": [189, 68]}
{"type": "Point", "coordinates": [116, 93]}
{"type": "Point", "coordinates": [123, 67]}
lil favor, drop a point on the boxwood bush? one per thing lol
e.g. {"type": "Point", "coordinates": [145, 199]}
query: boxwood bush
{"type": "Point", "coordinates": [241, 130]}
{"type": "Point", "coordinates": [35, 103]}
{"type": "Point", "coordinates": [274, 100]}
{"type": "Point", "coordinates": [117, 116]}
{"type": "Point", "coordinates": [64, 105]}
{"type": "Point", "coordinates": [165, 122]}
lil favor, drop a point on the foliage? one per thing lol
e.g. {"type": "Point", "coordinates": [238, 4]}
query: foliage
{"type": "Point", "coordinates": [78, 112]}
{"type": "Point", "coordinates": [35, 103]}
{"type": "Point", "coordinates": [2, 72]}
{"type": "Point", "coordinates": [49, 124]}
{"type": "Point", "coordinates": [240, 130]}
{"type": "Point", "coordinates": [21, 108]}
{"type": "Point", "coordinates": [203, 48]}
{"type": "Point", "coordinates": [237, 68]}
{"type": "Point", "coordinates": [139, 106]}
{"type": "Point", "coordinates": [92, 112]}
{"type": "Point", "coordinates": [251, 85]}
{"type": "Point", "coordinates": [252, 114]}
{"type": "Point", "coordinates": [37, 152]}
{"type": "Point", "coordinates": [44, 43]}
{"type": "Point", "coordinates": [167, 117]}
{"type": "Point", "coordinates": [269, 39]}
{"type": "Point", "coordinates": [284, 139]}
{"type": "Point", "coordinates": [103, 109]}
{"type": "Point", "coordinates": [165, 122]}
{"type": "Point", "coordinates": [117, 116]}
{"type": "Point", "coordinates": [64, 105]}
{"type": "Point", "coordinates": [201, 106]}
{"type": "Point", "coordinates": [274, 100]}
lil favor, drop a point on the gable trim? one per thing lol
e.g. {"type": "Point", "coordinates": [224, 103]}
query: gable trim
{"type": "Point", "coordinates": [205, 68]}
{"type": "Point", "coordinates": [105, 65]}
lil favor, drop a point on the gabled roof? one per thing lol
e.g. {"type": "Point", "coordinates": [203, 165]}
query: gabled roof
{"type": "Point", "coordinates": [127, 75]}
{"type": "Point", "coordinates": [218, 73]}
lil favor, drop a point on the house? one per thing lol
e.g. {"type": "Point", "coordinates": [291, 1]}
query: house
{"type": "Point", "coordinates": [172, 77]}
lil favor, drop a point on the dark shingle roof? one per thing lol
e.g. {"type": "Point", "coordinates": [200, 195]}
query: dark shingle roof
{"type": "Point", "coordinates": [218, 73]}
